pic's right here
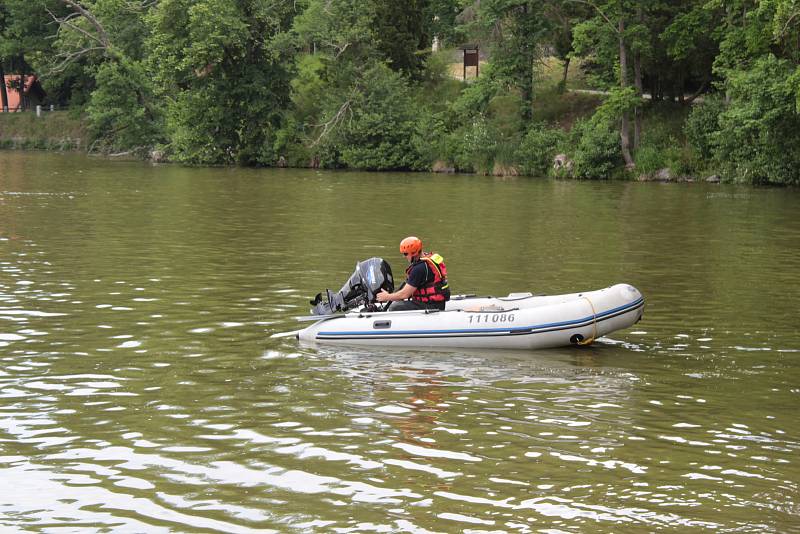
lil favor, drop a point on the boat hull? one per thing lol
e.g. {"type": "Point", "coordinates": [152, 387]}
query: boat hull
{"type": "Point", "coordinates": [513, 322]}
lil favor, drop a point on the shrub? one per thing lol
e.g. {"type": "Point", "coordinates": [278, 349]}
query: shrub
{"type": "Point", "coordinates": [758, 140]}
{"type": "Point", "coordinates": [380, 126]}
{"type": "Point", "coordinates": [430, 140]}
{"type": "Point", "coordinates": [538, 148]}
{"type": "Point", "coordinates": [649, 160]}
{"type": "Point", "coordinates": [702, 124]}
{"type": "Point", "coordinates": [476, 96]}
{"type": "Point", "coordinates": [597, 149]}
{"type": "Point", "coordinates": [122, 113]}
{"type": "Point", "coordinates": [473, 146]}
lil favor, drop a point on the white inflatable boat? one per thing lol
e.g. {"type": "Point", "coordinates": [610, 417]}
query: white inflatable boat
{"type": "Point", "coordinates": [518, 321]}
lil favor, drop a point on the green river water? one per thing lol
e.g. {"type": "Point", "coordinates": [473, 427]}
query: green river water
{"type": "Point", "coordinates": [140, 390]}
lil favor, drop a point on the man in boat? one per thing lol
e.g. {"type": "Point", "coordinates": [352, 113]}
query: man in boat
{"type": "Point", "coordinates": [426, 280]}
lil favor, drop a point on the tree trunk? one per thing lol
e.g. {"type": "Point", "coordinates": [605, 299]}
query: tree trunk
{"type": "Point", "coordinates": [527, 81]}
{"type": "Point", "coordinates": [699, 91]}
{"type": "Point", "coordinates": [3, 91]}
{"type": "Point", "coordinates": [624, 133]}
{"type": "Point", "coordinates": [637, 111]}
{"type": "Point", "coordinates": [562, 87]}
{"type": "Point", "coordinates": [637, 81]}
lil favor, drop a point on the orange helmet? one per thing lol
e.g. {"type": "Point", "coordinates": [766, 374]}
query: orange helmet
{"type": "Point", "coordinates": [411, 246]}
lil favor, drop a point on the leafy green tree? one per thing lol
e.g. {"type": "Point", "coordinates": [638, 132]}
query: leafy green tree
{"type": "Point", "coordinates": [562, 17]}
{"type": "Point", "coordinates": [103, 40]}
{"type": "Point", "coordinates": [379, 126]}
{"type": "Point", "coordinates": [689, 45]}
{"type": "Point", "coordinates": [403, 30]}
{"type": "Point", "coordinates": [220, 67]}
{"type": "Point", "coordinates": [442, 15]}
{"type": "Point", "coordinates": [515, 29]}
{"type": "Point", "coordinates": [610, 26]}
{"type": "Point", "coordinates": [122, 111]}
{"type": "Point", "coordinates": [759, 133]}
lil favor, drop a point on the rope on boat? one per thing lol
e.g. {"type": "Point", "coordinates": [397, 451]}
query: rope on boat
{"type": "Point", "coordinates": [590, 340]}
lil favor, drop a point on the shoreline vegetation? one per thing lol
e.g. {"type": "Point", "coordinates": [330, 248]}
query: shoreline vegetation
{"type": "Point", "coordinates": [687, 91]}
{"type": "Point", "coordinates": [69, 131]}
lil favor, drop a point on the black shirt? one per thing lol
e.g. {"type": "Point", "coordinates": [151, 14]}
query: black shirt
{"type": "Point", "coordinates": [420, 275]}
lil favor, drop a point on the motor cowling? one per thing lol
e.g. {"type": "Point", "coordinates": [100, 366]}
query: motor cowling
{"type": "Point", "coordinates": [361, 289]}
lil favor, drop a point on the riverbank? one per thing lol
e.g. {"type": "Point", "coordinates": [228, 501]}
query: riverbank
{"type": "Point", "coordinates": [563, 145]}
{"type": "Point", "coordinates": [53, 130]}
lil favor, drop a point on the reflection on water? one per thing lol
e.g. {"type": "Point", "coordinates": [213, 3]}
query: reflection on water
{"type": "Point", "coordinates": [141, 391]}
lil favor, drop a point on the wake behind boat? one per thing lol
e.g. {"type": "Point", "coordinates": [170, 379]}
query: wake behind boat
{"type": "Point", "coordinates": [517, 321]}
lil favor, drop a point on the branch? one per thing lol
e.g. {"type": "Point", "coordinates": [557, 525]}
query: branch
{"type": "Point", "coordinates": [329, 126]}
{"type": "Point", "coordinates": [339, 48]}
{"type": "Point", "coordinates": [101, 32]}
{"type": "Point", "coordinates": [69, 57]}
{"type": "Point", "coordinates": [788, 23]}
{"type": "Point", "coordinates": [67, 21]}
{"type": "Point", "coordinates": [697, 93]}
{"type": "Point", "coordinates": [599, 12]}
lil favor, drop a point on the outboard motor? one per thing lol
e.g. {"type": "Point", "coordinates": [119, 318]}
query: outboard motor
{"type": "Point", "coordinates": [364, 284]}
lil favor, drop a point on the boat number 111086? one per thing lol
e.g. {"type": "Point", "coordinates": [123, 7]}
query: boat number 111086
{"type": "Point", "coordinates": [491, 318]}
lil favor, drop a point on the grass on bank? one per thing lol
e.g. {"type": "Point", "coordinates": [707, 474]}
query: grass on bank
{"type": "Point", "coordinates": [54, 130]}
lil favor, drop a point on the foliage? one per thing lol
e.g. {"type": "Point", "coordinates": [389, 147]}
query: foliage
{"type": "Point", "coordinates": [475, 97]}
{"type": "Point", "coordinates": [597, 151]}
{"type": "Point", "coordinates": [353, 83]}
{"type": "Point", "coordinates": [378, 130]}
{"type": "Point", "coordinates": [474, 146]}
{"type": "Point", "coordinates": [703, 124]}
{"type": "Point", "coordinates": [538, 148]}
{"type": "Point", "coordinates": [121, 112]}
{"type": "Point", "coordinates": [514, 28]}
{"type": "Point", "coordinates": [758, 140]}
{"type": "Point", "coordinates": [218, 67]}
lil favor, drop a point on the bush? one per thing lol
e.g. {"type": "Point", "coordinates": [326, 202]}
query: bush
{"type": "Point", "coordinates": [538, 148]}
{"type": "Point", "coordinates": [597, 149]}
{"type": "Point", "coordinates": [758, 140]}
{"type": "Point", "coordinates": [649, 160]}
{"type": "Point", "coordinates": [476, 96]}
{"type": "Point", "coordinates": [122, 111]}
{"type": "Point", "coordinates": [380, 126]}
{"type": "Point", "coordinates": [703, 124]}
{"type": "Point", "coordinates": [474, 146]}
{"type": "Point", "coordinates": [431, 140]}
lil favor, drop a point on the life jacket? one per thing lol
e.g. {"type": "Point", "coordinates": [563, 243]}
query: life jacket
{"type": "Point", "coordinates": [438, 290]}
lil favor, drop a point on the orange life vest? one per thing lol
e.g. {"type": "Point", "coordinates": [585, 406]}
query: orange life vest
{"type": "Point", "coordinates": [438, 290]}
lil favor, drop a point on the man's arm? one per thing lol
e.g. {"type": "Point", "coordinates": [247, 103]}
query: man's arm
{"type": "Point", "coordinates": [403, 293]}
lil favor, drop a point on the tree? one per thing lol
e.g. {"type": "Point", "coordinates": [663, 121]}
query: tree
{"type": "Point", "coordinates": [403, 30]}
{"type": "Point", "coordinates": [220, 69]}
{"type": "Point", "coordinates": [562, 17]}
{"type": "Point", "coordinates": [24, 35]}
{"type": "Point", "coordinates": [607, 26]}
{"type": "Point", "coordinates": [514, 29]}
{"type": "Point", "coordinates": [758, 140]}
{"type": "Point", "coordinates": [122, 110]}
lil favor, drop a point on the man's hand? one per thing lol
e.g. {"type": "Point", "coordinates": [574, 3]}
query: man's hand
{"type": "Point", "coordinates": [403, 293]}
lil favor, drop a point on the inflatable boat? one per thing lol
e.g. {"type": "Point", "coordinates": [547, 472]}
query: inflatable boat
{"type": "Point", "coordinates": [516, 321]}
